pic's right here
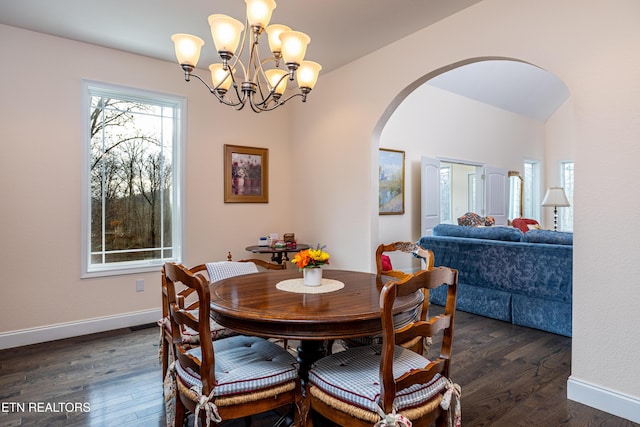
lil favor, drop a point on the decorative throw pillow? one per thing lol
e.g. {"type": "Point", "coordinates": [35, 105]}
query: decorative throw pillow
{"type": "Point", "coordinates": [472, 219]}
{"type": "Point", "coordinates": [523, 224]}
{"type": "Point", "coordinates": [386, 263]}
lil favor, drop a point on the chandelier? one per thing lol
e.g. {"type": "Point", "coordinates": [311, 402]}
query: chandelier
{"type": "Point", "coordinates": [261, 88]}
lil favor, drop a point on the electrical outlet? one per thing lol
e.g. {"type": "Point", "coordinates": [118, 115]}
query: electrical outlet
{"type": "Point", "coordinates": [139, 285]}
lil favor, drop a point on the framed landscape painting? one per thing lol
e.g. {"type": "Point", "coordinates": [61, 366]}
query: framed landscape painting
{"type": "Point", "coordinates": [246, 174]}
{"type": "Point", "coordinates": [391, 182]}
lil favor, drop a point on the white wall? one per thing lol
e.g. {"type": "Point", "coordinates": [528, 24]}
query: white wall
{"type": "Point", "coordinates": [322, 178]}
{"type": "Point", "coordinates": [592, 47]}
{"type": "Point", "coordinates": [40, 169]}
{"type": "Point", "coordinates": [560, 145]}
{"type": "Point", "coordinates": [435, 123]}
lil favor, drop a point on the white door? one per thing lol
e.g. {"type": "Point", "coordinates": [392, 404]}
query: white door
{"type": "Point", "coordinates": [430, 194]}
{"type": "Point", "coordinates": [497, 194]}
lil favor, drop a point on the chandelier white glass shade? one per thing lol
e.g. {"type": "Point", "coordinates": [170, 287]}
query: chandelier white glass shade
{"type": "Point", "coordinates": [261, 87]}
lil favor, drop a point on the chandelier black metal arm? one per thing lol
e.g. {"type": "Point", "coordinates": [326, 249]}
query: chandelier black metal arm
{"type": "Point", "coordinates": [247, 89]}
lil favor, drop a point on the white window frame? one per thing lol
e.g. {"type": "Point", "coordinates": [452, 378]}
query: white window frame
{"type": "Point", "coordinates": [178, 179]}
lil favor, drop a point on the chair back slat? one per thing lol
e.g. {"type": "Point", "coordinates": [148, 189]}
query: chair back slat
{"type": "Point", "coordinates": [422, 328]}
{"type": "Point", "coordinates": [422, 376]}
{"type": "Point", "coordinates": [184, 317]}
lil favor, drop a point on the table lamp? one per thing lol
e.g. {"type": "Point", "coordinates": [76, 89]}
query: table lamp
{"type": "Point", "coordinates": [555, 197]}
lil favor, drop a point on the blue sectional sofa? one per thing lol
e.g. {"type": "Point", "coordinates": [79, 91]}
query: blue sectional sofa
{"type": "Point", "coordinates": [523, 278]}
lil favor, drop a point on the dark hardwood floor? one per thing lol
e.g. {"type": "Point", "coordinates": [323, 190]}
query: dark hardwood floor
{"type": "Point", "coordinates": [510, 376]}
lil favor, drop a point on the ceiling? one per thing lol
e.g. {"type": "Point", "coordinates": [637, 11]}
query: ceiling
{"type": "Point", "coordinates": [341, 31]}
{"type": "Point", "coordinates": [510, 85]}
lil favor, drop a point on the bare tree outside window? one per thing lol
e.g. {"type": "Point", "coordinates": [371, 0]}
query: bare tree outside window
{"type": "Point", "coordinates": [130, 180]}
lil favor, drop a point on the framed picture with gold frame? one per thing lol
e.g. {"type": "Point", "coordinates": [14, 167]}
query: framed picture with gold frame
{"type": "Point", "coordinates": [391, 182]}
{"type": "Point", "coordinates": [246, 174]}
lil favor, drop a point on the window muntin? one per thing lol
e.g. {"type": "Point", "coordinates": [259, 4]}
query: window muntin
{"type": "Point", "coordinates": [131, 216]}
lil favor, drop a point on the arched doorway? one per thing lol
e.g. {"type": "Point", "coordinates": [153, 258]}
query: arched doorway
{"type": "Point", "coordinates": [441, 123]}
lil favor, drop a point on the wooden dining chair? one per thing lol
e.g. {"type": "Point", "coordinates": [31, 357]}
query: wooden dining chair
{"type": "Point", "coordinates": [186, 299]}
{"type": "Point", "coordinates": [382, 269]}
{"type": "Point", "coordinates": [229, 378]}
{"type": "Point", "coordinates": [362, 385]}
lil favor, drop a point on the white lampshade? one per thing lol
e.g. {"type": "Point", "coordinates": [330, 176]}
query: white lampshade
{"type": "Point", "coordinates": [226, 32]}
{"type": "Point", "coordinates": [307, 74]}
{"type": "Point", "coordinates": [294, 46]}
{"type": "Point", "coordinates": [273, 31]}
{"type": "Point", "coordinates": [555, 197]}
{"type": "Point", "coordinates": [187, 48]}
{"type": "Point", "coordinates": [259, 12]}
{"type": "Point", "coordinates": [220, 76]}
{"type": "Point", "coordinates": [274, 75]}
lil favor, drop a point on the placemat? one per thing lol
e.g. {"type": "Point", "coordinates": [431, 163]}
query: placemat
{"type": "Point", "coordinates": [298, 286]}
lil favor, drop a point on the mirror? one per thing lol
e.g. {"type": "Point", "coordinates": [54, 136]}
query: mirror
{"type": "Point", "coordinates": [516, 195]}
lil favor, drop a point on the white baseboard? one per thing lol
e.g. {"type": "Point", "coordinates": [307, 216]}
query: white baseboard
{"type": "Point", "coordinates": [613, 402]}
{"type": "Point", "coordinates": [73, 329]}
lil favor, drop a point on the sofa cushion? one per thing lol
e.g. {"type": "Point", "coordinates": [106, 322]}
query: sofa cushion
{"type": "Point", "coordinates": [548, 236]}
{"type": "Point", "coordinates": [507, 234]}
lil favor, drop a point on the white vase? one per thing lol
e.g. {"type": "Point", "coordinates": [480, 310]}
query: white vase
{"type": "Point", "coordinates": [312, 276]}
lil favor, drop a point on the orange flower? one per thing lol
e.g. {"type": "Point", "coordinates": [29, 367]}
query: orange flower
{"type": "Point", "coordinates": [302, 259]}
{"type": "Point", "coordinates": [311, 258]}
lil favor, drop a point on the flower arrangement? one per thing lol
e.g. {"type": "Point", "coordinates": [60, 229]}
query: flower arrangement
{"type": "Point", "coordinates": [311, 258]}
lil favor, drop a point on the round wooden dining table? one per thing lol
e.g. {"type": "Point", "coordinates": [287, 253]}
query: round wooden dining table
{"type": "Point", "coordinates": [253, 304]}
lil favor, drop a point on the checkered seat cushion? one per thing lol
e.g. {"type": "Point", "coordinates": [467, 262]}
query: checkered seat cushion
{"type": "Point", "coordinates": [353, 377]}
{"type": "Point", "coordinates": [243, 364]}
{"type": "Point", "coordinates": [224, 269]}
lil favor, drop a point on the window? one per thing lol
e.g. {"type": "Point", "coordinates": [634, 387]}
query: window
{"type": "Point", "coordinates": [565, 215]}
{"type": "Point", "coordinates": [132, 180]}
{"type": "Point", "coordinates": [445, 194]}
{"type": "Point", "coordinates": [531, 193]}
